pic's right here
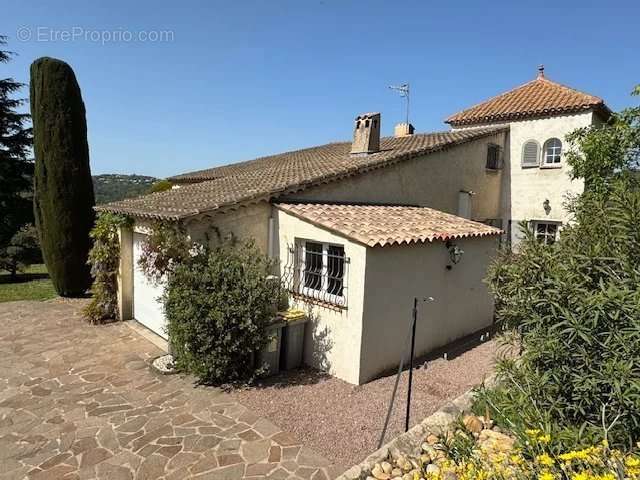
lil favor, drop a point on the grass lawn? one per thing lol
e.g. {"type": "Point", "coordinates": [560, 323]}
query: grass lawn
{"type": "Point", "coordinates": [33, 284]}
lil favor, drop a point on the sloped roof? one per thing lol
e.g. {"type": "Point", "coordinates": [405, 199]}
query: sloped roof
{"type": "Point", "coordinates": [539, 97]}
{"type": "Point", "coordinates": [269, 177]}
{"type": "Point", "coordinates": [380, 225]}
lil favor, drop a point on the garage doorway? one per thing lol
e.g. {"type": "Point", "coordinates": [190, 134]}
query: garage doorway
{"type": "Point", "coordinates": [147, 307]}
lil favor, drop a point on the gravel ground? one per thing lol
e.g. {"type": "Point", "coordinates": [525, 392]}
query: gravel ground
{"type": "Point", "coordinates": [343, 422]}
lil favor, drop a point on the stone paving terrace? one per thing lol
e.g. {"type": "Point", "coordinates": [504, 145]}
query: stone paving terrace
{"type": "Point", "coordinates": [80, 402]}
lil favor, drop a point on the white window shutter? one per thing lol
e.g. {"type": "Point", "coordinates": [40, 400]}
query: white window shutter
{"type": "Point", "coordinates": [530, 154]}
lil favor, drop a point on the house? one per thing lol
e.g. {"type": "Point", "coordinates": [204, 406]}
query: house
{"type": "Point", "coordinates": [536, 181]}
{"type": "Point", "coordinates": [361, 228]}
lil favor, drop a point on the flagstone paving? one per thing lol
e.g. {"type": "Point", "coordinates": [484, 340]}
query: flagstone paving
{"type": "Point", "coordinates": [80, 402]}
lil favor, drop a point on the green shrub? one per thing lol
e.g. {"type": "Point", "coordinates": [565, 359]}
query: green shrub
{"type": "Point", "coordinates": [160, 186]}
{"type": "Point", "coordinates": [104, 258]}
{"type": "Point", "coordinates": [63, 202]}
{"type": "Point", "coordinates": [217, 305]}
{"type": "Point", "coordinates": [23, 250]}
{"type": "Point", "coordinates": [575, 307]}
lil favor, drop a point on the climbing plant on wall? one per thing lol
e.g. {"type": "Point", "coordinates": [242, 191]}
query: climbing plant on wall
{"type": "Point", "coordinates": [165, 247]}
{"type": "Point", "coordinates": [104, 259]}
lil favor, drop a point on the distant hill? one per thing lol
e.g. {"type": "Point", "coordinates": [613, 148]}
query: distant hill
{"type": "Point", "coordinates": [113, 186]}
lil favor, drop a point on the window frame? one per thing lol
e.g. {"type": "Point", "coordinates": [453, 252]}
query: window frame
{"type": "Point", "coordinates": [544, 163]}
{"type": "Point", "coordinates": [546, 235]}
{"type": "Point", "coordinates": [323, 293]}
{"type": "Point", "coordinates": [538, 149]}
{"type": "Point", "coordinates": [498, 160]}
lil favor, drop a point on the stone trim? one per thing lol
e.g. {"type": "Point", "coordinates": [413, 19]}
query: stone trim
{"type": "Point", "coordinates": [410, 442]}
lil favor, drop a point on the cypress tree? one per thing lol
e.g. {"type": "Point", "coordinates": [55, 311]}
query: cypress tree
{"type": "Point", "coordinates": [64, 199]}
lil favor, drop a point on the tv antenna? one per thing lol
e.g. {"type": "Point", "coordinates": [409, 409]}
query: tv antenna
{"type": "Point", "coordinates": [403, 90]}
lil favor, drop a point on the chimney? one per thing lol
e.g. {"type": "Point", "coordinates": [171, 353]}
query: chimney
{"type": "Point", "coordinates": [366, 133]}
{"type": "Point", "coordinates": [403, 130]}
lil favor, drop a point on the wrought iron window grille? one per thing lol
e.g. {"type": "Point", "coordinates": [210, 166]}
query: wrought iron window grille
{"type": "Point", "coordinates": [317, 272]}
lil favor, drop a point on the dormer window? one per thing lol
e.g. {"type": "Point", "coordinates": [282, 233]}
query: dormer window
{"type": "Point", "coordinates": [552, 152]}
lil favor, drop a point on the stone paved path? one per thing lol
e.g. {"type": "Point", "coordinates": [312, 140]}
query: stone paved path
{"type": "Point", "coordinates": [80, 402]}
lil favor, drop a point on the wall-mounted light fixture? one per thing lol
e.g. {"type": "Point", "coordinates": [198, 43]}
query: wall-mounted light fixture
{"type": "Point", "coordinates": [455, 253]}
{"type": "Point", "coordinates": [547, 206]}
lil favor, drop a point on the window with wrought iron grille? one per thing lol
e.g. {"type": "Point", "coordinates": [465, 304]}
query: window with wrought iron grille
{"type": "Point", "coordinates": [317, 271]}
{"type": "Point", "coordinates": [546, 232]}
{"type": "Point", "coordinates": [494, 157]}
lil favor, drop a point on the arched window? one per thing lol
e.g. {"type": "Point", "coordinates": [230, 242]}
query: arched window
{"type": "Point", "coordinates": [552, 152]}
{"type": "Point", "coordinates": [530, 154]}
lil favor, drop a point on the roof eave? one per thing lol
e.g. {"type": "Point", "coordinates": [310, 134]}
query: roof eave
{"type": "Point", "coordinates": [518, 116]}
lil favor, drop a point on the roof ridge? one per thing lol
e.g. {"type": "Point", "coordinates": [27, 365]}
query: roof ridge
{"type": "Point", "coordinates": [179, 178]}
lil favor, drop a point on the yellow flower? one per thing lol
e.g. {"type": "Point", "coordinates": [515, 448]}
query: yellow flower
{"type": "Point", "coordinates": [532, 432]}
{"type": "Point", "coordinates": [546, 438]}
{"type": "Point", "coordinates": [606, 476]}
{"type": "Point", "coordinates": [632, 462]}
{"type": "Point", "coordinates": [577, 454]}
{"type": "Point", "coordinates": [580, 476]}
{"type": "Point", "coordinates": [545, 459]}
{"type": "Point", "coordinates": [546, 476]}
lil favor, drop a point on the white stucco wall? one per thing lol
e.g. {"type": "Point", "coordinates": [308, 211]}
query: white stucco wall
{"type": "Point", "coordinates": [530, 187]}
{"type": "Point", "coordinates": [243, 223]}
{"type": "Point", "coordinates": [432, 180]}
{"type": "Point", "coordinates": [333, 336]}
{"type": "Point", "coordinates": [526, 189]}
{"type": "Point", "coordinates": [395, 275]}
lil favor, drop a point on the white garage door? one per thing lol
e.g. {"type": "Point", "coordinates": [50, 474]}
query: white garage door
{"type": "Point", "coordinates": [147, 308]}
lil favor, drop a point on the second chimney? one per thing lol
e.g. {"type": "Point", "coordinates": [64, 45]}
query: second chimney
{"type": "Point", "coordinates": [366, 133]}
{"type": "Point", "coordinates": [403, 130]}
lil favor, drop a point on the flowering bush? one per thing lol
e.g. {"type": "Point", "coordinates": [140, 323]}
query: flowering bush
{"type": "Point", "coordinates": [104, 258]}
{"type": "Point", "coordinates": [165, 247]}
{"type": "Point", "coordinates": [485, 453]}
{"type": "Point", "coordinates": [537, 460]}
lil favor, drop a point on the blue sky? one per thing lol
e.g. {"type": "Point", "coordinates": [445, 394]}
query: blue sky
{"type": "Point", "coordinates": [234, 80]}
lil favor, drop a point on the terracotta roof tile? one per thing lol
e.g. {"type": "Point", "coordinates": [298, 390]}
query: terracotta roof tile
{"type": "Point", "coordinates": [539, 97]}
{"type": "Point", "coordinates": [375, 225]}
{"type": "Point", "coordinates": [270, 177]}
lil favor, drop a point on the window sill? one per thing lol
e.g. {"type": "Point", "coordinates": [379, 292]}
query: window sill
{"type": "Point", "coordinates": [492, 170]}
{"type": "Point", "coordinates": [316, 301]}
{"type": "Point", "coordinates": [530, 166]}
{"type": "Point", "coordinates": [550, 166]}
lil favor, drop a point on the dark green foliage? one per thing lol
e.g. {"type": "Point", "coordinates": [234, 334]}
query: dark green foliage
{"type": "Point", "coordinates": [113, 186]}
{"type": "Point", "coordinates": [603, 153]}
{"type": "Point", "coordinates": [64, 198]}
{"type": "Point", "coordinates": [575, 306]}
{"type": "Point", "coordinates": [104, 258]}
{"type": "Point", "coordinates": [16, 169]}
{"type": "Point", "coordinates": [23, 250]}
{"type": "Point", "coordinates": [217, 306]}
{"type": "Point", "coordinates": [160, 186]}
